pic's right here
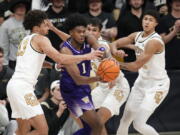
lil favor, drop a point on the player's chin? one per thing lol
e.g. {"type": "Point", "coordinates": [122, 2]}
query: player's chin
{"type": "Point", "coordinates": [81, 41]}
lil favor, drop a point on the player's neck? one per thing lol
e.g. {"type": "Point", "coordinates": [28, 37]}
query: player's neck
{"type": "Point", "coordinates": [147, 33]}
{"type": "Point", "coordinates": [75, 44]}
{"type": "Point", "coordinates": [175, 14]}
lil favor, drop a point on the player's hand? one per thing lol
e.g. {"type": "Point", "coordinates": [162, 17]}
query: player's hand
{"type": "Point", "coordinates": [95, 55]}
{"type": "Point", "coordinates": [47, 64]}
{"type": "Point", "coordinates": [120, 53]}
{"type": "Point", "coordinates": [49, 24]}
{"type": "Point", "coordinates": [58, 66]}
{"type": "Point", "coordinates": [3, 102]}
{"type": "Point", "coordinates": [112, 84]}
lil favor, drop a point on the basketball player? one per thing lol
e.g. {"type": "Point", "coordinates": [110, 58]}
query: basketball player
{"type": "Point", "coordinates": [30, 56]}
{"type": "Point", "coordinates": [152, 84]}
{"type": "Point", "coordinates": [75, 79]}
{"type": "Point", "coordinates": [106, 98]}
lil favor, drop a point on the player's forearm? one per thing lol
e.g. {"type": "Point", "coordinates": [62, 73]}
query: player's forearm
{"type": "Point", "coordinates": [131, 66]}
{"type": "Point", "coordinates": [82, 80]}
{"type": "Point", "coordinates": [60, 33]}
{"type": "Point", "coordinates": [69, 59]}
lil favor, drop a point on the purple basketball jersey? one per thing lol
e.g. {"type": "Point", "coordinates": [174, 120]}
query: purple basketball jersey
{"type": "Point", "coordinates": [77, 97]}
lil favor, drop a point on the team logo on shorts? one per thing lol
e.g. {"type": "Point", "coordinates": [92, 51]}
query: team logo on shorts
{"type": "Point", "coordinates": [85, 100]}
{"type": "Point", "coordinates": [158, 96]}
{"type": "Point", "coordinates": [31, 99]}
{"type": "Point", "coordinates": [118, 94]}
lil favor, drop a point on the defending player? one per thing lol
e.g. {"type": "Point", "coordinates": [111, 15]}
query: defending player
{"type": "Point", "coordinates": [30, 56]}
{"type": "Point", "coordinates": [152, 84]}
{"type": "Point", "coordinates": [107, 97]}
{"type": "Point", "coordinates": [75, 78]}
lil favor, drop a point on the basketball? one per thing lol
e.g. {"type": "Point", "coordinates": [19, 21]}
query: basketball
{"type": "Point", "coordinates": [108, 70]}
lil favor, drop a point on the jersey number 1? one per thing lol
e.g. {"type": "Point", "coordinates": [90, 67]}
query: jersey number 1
{"type": "Point", "coordinates": [84, 68]}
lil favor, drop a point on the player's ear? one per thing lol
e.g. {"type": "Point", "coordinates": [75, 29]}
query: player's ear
{"type": "Point", "coordinates": [156, 23]}
{"type": "Point", "coordinates": [70, 32]}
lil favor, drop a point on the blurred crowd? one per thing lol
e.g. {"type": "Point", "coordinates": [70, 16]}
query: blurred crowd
{"type": "Point", "coordinates": [119, 18]}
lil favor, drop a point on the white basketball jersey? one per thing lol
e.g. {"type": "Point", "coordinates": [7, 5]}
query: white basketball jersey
{"type": "Point", "coordinates": [29, 61]}
{"type": "Point", "coordinates": [155, 67]}
{"type": "Point", "coordinates": [96, 62]}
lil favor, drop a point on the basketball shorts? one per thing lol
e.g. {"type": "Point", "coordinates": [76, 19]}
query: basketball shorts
{"type": "Point", "coordinates": [23, 101]}
{"type": "Point", "coordinates": [147, 94]}
{"type": "Point", "coordinates": [113, 98]}
{"type": "Point", "coordinates": [78, 101]}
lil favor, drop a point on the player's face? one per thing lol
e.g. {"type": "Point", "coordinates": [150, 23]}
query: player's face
{"type": "Point", "coordinates": [149, 23]}
{"type": "Point", "coordinates": [78, 34]}
{"type": "Point", "coordinates": [1, 60]}
{"type": "Point", "coordinates": [176, 5]}
{"type": "Point", "coordinates": [93, 30]}
{"type": "Point", "coordinates": [136, 4]}
{"type": "Point", "coordinates": [44, 28]}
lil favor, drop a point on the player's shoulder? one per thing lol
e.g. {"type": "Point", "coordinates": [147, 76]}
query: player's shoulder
{"type": "Point", "coordinates": [40, 38]}
{"type": "Point", "coordinates": [65, 50]}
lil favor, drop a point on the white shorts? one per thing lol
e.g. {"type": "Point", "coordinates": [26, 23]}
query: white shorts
{"type": "Point", "coordinates": [112, 99]}
{"type": "Point", "coordinates": [23, 101]}
{"type": "Point", "coordinates": [147, 94]}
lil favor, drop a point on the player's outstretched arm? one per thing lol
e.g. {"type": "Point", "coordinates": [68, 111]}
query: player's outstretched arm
{"type": "Point", "coordinates": [60, 33]}
{"type": "Point", "coordinates": [73, 70]}
{"type": "Point", "coordinates": [45, 46]}
{"type": "Point", "coordinates": [122, 43]}
{"type": "Point", "coordinates": [151, 48]}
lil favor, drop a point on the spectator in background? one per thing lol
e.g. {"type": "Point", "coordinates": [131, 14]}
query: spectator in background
{"type": "Point", "coordinates": [129, 22]}
{"type": "Point", "coordinates": [55, 109]}
{"type": "Point", "coordinates": [12, 31]}
{"type": "Point", "coordinates": [5, 75]}
{"type": "Point", "coordinates": [4, 10]}
{"type": "Point", "coordinates": [109, 29]}
{"type": "Point", "coordinates": [57, 13]}
{"type": "Point", "coordinates": [169, 28]}
{"type": "Point", "coordinates": [161, 7]}
{"type": "Point", "coordinates": [80, 6]}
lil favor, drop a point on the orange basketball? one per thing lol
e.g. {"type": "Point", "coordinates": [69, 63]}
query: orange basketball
{"type": "Point", "coordinates": [108, 70]}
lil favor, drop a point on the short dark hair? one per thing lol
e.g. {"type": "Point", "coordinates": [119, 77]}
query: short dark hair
{"type": "Point", "coordinates": [95, 22]}
{"type": "Point", "coordinates": [75, 20]}
{"type": "Point", "coordinates": [1, 50]}
{"type": "Point", "coordinates": [153, 13]}
{"type": "Point", "coordinates": [34, 18]}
